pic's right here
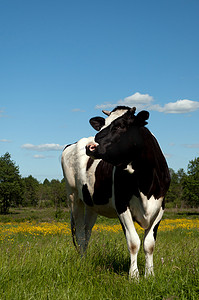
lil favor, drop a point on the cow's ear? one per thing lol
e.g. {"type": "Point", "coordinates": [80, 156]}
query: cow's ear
{"type": "Point", "coordinates": [142, 117]}
{"type": "Point", "coordinates": [97, 123]}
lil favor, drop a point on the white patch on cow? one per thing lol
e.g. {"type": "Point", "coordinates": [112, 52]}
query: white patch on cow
{"type": "Point", "coordinates": [74, 163]}
{"type": "Point", "coordinates": [129, 169]}
{"type": "Point", "coordinates": [113, 116]}
{"type": "Point", "coordinates": [145, 210]}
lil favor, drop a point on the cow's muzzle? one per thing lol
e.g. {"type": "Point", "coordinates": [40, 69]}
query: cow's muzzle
{"type": "Point", "coordinates": [91, 149]}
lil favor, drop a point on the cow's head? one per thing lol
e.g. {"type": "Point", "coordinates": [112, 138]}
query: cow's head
{"type": "Point", "coordinates": [120, 140]}
{"type": "Point", "coordinates": [99, 123]}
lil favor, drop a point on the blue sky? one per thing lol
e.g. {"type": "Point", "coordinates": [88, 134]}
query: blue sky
{"type": "Point", "coordinates": [62, 62]}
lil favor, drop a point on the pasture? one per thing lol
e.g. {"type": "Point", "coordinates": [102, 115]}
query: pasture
{"type": "Point", "coordinates": [38, 259]}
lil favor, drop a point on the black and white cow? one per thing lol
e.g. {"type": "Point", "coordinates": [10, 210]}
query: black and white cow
{"type": "Point", "coordinates": [126, 176]}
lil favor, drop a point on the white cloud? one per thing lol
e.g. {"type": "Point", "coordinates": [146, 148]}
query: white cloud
{"type": "Point", "coordinates": [145, 101]}
{"type": "Point", "coordinates": [1, 113]}
{"type": "Point", "coordinates": [140, 101]}
{"type": "Point", "coordinates": [191, 145]}
{"type": "Point", "coordinates": [43, 147]}
{"type": "Point", "coordinates": [167, 155]}
{"type": "Point", "coordinates": [178, 107]}
{"type": "Point", "coordinates": [38, 156]}
{"type": "Point", "coordinates": [78, 110]}
{"type": "Point", "coordinates": [5, 141]}
{"type": "Point", "coordinates": [137, 100]}
{"type": "Point", "coordinates": [105, 105]}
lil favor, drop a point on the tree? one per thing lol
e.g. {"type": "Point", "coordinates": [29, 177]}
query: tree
{"type": "Point", "coordinates": [11, 188]}
{"type": "Point", "coordinates": [31, 196]}
{"type": "Point", "coordinates": [191, 184]}
{"type": "Point", "coordinates": [46, 182]}
{"type": "Point", "coordinates": [56, 193]}
{"type": "Point", "coordinates": [44, 195]}
{"type": "Point", "coordinates": [175, 192]}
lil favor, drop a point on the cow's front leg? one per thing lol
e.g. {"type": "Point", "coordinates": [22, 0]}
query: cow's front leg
{"type": "Point", "coordinates": [149, 243]}
{"type": "Point", "coordinates": [133, 241]}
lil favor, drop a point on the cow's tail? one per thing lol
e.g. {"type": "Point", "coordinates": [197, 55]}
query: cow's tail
{"type": "Point", "coordinates": [73, 231]}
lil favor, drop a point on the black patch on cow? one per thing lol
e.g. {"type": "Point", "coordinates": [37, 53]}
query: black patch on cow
{"type": "Point", "coordinates": [123, 228]}
{"type": "Point", "coordinates": [155, 230]}
{"type": "Point", "coordinates": [97, 122]}
{"type": "Point", "coordinates": [86, 195]}
{"type": "Point", "coordinates": [153, 174]}
{"type": "Point", "coordinates": [73, 231]}
{"type": "Point", "coordinates": [122, 107]}
{"type": "Point", "coordinates": [68, 146]}
{"type": "Point", "coordinates": [125, 186]}
{"type": "Point", "coordinates": [163, 204]}
{"type": "Point", "coordinates": [103, 183]}
{"type": "Point", "coordinates": [89, 163]}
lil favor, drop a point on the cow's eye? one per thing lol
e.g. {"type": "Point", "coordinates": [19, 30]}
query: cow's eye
{"type": "Point", "coordinates": [117, 127]}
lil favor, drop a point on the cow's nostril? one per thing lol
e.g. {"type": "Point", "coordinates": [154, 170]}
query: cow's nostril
{"type": "Point", "coordinates": [92, 147]}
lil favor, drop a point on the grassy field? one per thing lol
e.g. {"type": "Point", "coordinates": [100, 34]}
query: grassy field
{"type": "Point", "coordinates": [39, 261]}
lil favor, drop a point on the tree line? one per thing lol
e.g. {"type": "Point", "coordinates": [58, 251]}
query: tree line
{"type": "Point", "coordinates": [184, 187]}
{"type": "Point", "coordinates": [16, 191]}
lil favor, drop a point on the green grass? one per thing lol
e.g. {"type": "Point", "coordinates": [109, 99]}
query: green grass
{"type": "Point", "coordinates": [51, 214]}
{"type": "Point", "coordinates": [35, 214]}
{"type": "Point", "coordinates": [178, 213]}
{"type": "Point", "coordinates": [48, 267]}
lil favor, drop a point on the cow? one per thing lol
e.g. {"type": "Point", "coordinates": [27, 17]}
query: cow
{"type": "Point", "coordinates": [121, 172]}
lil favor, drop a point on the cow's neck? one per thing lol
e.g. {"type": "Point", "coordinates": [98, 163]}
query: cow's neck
{"type": "Point", "coordinates": [149, 167]}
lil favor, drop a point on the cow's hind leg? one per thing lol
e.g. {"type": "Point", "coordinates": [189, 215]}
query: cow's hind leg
{"type": "Point", "coordinates": [90, 219]}
{"type": "Point", "coordinates": [149, 244]}
{"type": "Point", "coordinates": [77, 224]}
{"type": "Point", "coordinates": [82, 221]}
